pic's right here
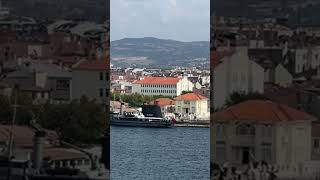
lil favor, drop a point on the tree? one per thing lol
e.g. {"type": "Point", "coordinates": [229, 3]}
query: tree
{"type": "Point", "coordinates": [186, 92]}
{"type": "Point", "coordinates": [135, 99]}
{"type": "Point", "coordinates": [80, 121]}
{"type": "Point", "coordinates": [241, 96]}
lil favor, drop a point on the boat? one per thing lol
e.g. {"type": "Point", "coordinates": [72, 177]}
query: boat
{"type": "Point", "coordinates": [148, 117]}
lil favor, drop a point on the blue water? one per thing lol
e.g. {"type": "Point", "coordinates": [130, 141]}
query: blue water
{"type": "Point", "coordinates": [152, 154]}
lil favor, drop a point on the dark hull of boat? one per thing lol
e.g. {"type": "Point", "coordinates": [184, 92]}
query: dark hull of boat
{"type": "Point", "coordinates": [141, 124]}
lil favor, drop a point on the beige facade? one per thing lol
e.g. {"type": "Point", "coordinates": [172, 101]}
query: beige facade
{"type": "Point", "coordinates": [267, 131]}
{"type": "Point", "coordinates": [192, 104]}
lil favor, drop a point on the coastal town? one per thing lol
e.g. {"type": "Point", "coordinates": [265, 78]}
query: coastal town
{"type": "Point", "coordinates": [182, 93]}
{"type": "Point", "coordinates": [264, 110]}
{"type": "Point", "coordinates": [50, 68]}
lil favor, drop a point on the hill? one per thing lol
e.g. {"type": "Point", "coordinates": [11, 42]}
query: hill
{"type": "Point", "coordinates": [158, 52]}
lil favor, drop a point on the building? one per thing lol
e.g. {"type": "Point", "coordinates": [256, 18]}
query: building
{"type": "Point", "coordinates": [42, 80]}
{"type": "Point", "coordinates": [55, 154]}
{"type": "Point", "coordinates": [165, 86]}
{"type": "Point", "coordinates": [316, 141]}
{"type": "Point", "coordinates": [91, 79]}
{"type": "Point", "coordinates": [121, 87]}
{"type": "Point", "coordinates": [264, 130]}
{"type": "Point", "coordinates": [234, 72]}
{"type": "Point", "coordinates": [167, 105]}
{"type": "Point", "coordinates": [192, 106]}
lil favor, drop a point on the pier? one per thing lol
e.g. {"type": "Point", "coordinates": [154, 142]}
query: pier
{"type": "Point", "coordinates": [193, 123]}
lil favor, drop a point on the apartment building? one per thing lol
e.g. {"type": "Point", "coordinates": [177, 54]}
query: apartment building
{"type": "Point", "coordinates": [95, 76]}
{"type": "Point", "coordinates": [165, 86]}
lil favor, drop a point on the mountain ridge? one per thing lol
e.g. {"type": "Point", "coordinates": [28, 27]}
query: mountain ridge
{"type": "Point", "coordinates": [157, 51]}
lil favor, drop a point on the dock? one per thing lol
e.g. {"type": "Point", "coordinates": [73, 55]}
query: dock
{"type": "Point", "coordinates": [196, 124]}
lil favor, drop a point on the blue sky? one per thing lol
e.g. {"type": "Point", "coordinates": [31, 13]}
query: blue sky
{"type": "Point", "coordinates": [183, 20]}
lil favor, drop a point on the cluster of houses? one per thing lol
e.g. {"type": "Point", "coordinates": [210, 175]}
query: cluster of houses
{"type": "Point", "coordinates": [54, 61]}
{"type": "Point", "coordinates": [185, 91]}
{"type": "Point", "coordinates": [282, 64]}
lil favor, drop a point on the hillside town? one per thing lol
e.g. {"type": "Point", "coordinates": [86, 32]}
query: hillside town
{"type": "Point", "coordinates": [53, 63]}
{"type": "Point", "coordinates": [264, 110]}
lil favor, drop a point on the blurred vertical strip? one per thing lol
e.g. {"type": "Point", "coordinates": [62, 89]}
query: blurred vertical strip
{"type": "Point", "coordinates": [212, 47]}
{"type": "Point", "coordinates": [106, 48]}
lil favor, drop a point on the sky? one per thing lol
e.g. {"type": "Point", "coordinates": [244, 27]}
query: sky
{"type": "Point", "coordinates": [182, 20]}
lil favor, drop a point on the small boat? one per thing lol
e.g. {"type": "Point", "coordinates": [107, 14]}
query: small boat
{"type": "Point", "coordinates": [138, 119]}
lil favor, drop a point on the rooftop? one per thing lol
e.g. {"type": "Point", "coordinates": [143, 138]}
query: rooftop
{"type": "Point", "coordinates": [158, 80]}
{"type": "Point", "coordinates": [261, 111]}
{"type": "Point", "coordinates": [190, 97]}
{"type": "Point", "coordinates": [163, 101]}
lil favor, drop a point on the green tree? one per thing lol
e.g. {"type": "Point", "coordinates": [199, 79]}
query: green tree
{"type": "Point", "coordinates": [80, 121]}
{"type": "Point", "coordinates": [241, 96]}
{"type": "Point", "coordinates": [135, 99]}
{"type": "Point", "coordinates": [186, 92]}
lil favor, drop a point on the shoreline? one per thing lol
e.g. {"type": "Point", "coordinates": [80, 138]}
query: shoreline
{"type": "Point", "coordinates": [193, 124]}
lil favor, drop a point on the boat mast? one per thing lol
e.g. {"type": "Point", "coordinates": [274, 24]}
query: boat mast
{"type": "Point", "coordinates": [10, 151]}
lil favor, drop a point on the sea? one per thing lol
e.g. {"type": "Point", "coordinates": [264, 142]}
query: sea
{"type": "Point", "coordinates": [159, 153]}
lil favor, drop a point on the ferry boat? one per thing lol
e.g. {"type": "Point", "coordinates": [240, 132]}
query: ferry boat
{"type": "Point", "coordinates": [139, 119]}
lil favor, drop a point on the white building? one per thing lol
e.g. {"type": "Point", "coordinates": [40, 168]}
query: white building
{"type": "Point", "coordinates": [279, 75]}
{"type": "Point", "coordinates": [264, 130]}
{"type": "Point", "coordinates": [236, 73]}
{"type": "Point", "coordinates": [306, 58]}
{"type": "Point", "coordinates": [91, 79]}
{"type": "Point", "coordinates": [192, 104]}
{"type": "Point", "coordinates": [166, 86]}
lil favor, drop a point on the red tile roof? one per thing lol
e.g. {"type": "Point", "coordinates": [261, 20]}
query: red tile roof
{"type": "Point", "coordinates": [93, 65]}
{"type": "Point", "coordinates": [260, 110]}
{"type": "Point", "coordinates": [158, 80]}
{"type": "Point", "coordinates": [190, 97]}
{"type": "Point", "coordinates": [163, 102]}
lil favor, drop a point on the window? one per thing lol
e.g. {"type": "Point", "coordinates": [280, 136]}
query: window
{"type": "Point", "coordinates": [101, 76]}
{"type": "Point", "coordinates": [107, 76]}
{"type": "Point", "coordinates": [316, 143]}
{"type": "Point", "coordinates": [62, 84]}
{"type": "Point", "coordinates": [101, 92]}
{"type": "Point", "coordinates": [64, 163]}
{"type": "Point", "coordinates": [266, 152]}
{"type": "Point", "coordinates": [245, 129]}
